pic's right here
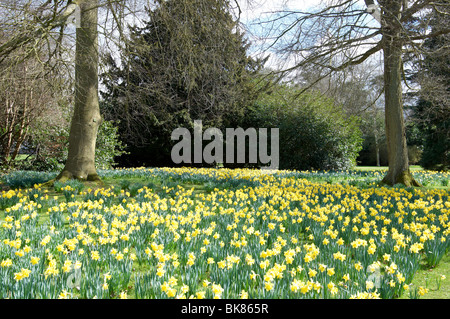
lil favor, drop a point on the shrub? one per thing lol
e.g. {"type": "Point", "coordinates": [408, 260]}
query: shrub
{"type": "Point", "coordinates": [436, 153]}
{"type": "Point", "coordinates": [314, 133]}
{"type": "Point", "coordinates": [108, 145]}
{"type": "Point", "coordinates": [53, 156]}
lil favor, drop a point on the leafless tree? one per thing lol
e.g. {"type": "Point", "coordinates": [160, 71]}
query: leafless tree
{"type": "Point", "coordinates": [339, 34]}
{"type": "Point", "coordinates": [28, 26]}
{"type": "Point", "coordinates": [30, 95]}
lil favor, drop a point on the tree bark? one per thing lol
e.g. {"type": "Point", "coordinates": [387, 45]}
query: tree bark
{"type": "Point", "coordinates": [398, 172]}
{"type": "Point", "coordinates": [86, 118]}
{"type": "Point", "coordinates": [377, 150]}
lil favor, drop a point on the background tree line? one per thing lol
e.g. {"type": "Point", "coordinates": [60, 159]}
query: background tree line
{"type": "Point", "coordinates": [189, 60]}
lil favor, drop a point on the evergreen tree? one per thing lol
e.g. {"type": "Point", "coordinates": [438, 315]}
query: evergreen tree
{"type": "Point", "coordinates": [188, 62]}
{"type": "Point", "coordinates": [431, 112]}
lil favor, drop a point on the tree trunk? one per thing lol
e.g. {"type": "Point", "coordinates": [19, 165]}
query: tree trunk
{"type": "Point", "coordinates": [86, 118]}
{"type": "Point", "coordinates": [398, 172]}
{"type": "Point", "coordinates": [375, 135]}
{"type": "Point", "coordinates": [377, 150]}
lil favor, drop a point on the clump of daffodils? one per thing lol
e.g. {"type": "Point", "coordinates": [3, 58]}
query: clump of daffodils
{"type": "Point", "coordinates": [276, 235]}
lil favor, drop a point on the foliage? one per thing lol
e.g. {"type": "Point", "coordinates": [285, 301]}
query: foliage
{"type": "Point", "coordinates": [51, 154]}
{"type": "Point", "coordinates": [430, 115]}
{"type": "Point", "coordinates": [314, 133]}
{"type": "Point", "coordinates": [434, 136]}
{"type": "Point", "coordinates": [108, 146]}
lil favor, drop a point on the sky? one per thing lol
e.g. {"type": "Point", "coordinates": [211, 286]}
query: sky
{"type": "Point", "coordinates": [254, 11]}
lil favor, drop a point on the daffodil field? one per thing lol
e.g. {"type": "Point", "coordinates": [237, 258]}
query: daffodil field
{"type": "Point", "coordinates": [221, 233]}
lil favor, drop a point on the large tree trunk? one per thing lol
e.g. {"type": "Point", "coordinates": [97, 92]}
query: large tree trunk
{"type": "Point", "coordinates": [86, 118]}
{"type": "Point", "coordinates": [398, 172]}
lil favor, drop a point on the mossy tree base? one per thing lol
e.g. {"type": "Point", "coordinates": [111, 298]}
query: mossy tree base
{"type": "Point", "coordinates": [65, 176]}
{"type": "Point", "coordinates": [404, 178]}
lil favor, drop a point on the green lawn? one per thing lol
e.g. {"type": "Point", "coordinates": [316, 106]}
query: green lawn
{"type": "Point", "coordinates": [431, 278]}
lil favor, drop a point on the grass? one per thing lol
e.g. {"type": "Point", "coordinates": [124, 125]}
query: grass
{"type": "Point", "coordinates": [430, 278]}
